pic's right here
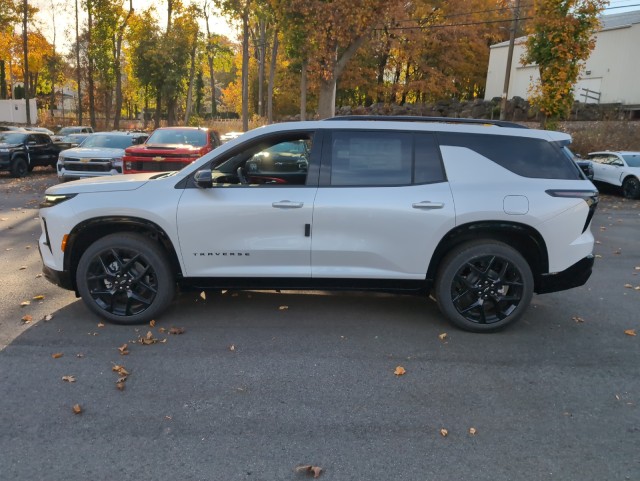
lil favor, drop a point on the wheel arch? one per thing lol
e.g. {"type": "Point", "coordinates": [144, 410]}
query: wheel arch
{"type": "Point", "coordinates": [525, 239]}
{"type": "Point", "coordinates": [87, 232]}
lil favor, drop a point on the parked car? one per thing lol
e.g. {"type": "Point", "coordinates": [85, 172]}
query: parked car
{"type": "Point", "coordinates": [618, 168]}
{"type": "Point", "coordinates": [229, 136]}
{"type": "Point", "coordinates": [12, 128]}
{"type": "Point", "coordinates": [584, 165]}
{"type": "Point", "coordinates": [20, 152]}
{"type": "Point", "coordinates": [99, 155]}
{"type": "Point", "coordinates": [70, 141]}
{"type": "Point", "coordinates": [480, 216]}
{"type": "Point", "coordinates": [76, 129]}
{"type": "Point", "coordinates": [170, 148]}
{"type": "Point", "coordinates": [42, 130]}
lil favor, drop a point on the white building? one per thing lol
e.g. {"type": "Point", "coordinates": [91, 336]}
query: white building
{"type": "Point", "coordinates": [611, 74]}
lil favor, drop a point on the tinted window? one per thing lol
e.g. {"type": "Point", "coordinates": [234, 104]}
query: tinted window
{"type": "Point", "coordinates": [633, 160]}
{"type": "Point", "coordinates": [528, 157]}
{"type": "Point", "coordinates": [428, 166]}
{"type": "Point", "coordinates": [371, 158]}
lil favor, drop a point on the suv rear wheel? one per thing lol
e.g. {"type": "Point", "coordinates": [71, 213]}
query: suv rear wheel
{"type": "Point", "coordinates": [483, 286]}
{"type": "Point", "coordinates": [631, 188]}
{"type": "Point", "coordinates": [19, 167]}
{"type": "Point", "coordinates": [125, 278]}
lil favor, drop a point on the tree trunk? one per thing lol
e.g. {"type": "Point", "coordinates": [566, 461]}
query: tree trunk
{"type": "Point", "coordinates": [303, 91]}
{"type": "Point", "coordinates": [245, 68]}
{"type": "Point", "coordinates": [212, 84]}
{"type": "Point", "coordinates": [78, 73]}
{"type": "Point", "coordinates": [327, 98]}
{"type": "Point", "coordinates": [156, 120]}
{"type": "Point", "coordinates": [90, 67]}
{"type": "Point", "coordinates": [272, 76]}
{"type": "Point", "coordinates": [192, 74]}
{"type": "Point", "coordinates": [25, 48]}
{"type": "Point", "coordinates": [262, 48]}
{"type": "Point", "coordinates": [118, 67]}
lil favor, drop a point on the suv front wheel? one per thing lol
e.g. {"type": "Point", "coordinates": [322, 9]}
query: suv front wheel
{"type": "Point", "coordinates": [483, 286]}
{"type": "Point", "coordinates": [125, 278]}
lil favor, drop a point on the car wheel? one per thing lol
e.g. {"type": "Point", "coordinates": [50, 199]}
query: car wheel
{"type": "Point", "coordinates": [125, 279]}
{"type": "Point", "coordinates": [484, 286]}
{"type": "Point", "coordinates": [19, 167]}
{"type": "Point", "coordinates": [631, 188]}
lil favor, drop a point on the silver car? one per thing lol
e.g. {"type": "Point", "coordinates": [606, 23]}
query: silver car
{"type": "Point", "coordinates": [99, 154]}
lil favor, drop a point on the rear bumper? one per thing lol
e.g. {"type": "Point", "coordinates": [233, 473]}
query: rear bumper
{"type": "Point", "coordinates": [576, 275]}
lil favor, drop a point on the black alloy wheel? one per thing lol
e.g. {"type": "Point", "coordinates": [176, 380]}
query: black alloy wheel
{"type": "Point", "coordinates": [631, 188]}
{"type": "Point", "coordinates": [19, 167]}
{"type": "Point", "coordinates": [484, 286]}
{"type": "Point", "coordinates": [125, 278]}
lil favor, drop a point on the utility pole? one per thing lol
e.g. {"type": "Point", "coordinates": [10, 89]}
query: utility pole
{"type": "Point", "coordinates": [78, 74]}
{"type": "Point", "coordinates": [507, 74]}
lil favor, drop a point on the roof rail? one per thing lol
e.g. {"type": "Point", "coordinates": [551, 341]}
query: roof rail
{"type": "Point", "coordinates": [417, 118]}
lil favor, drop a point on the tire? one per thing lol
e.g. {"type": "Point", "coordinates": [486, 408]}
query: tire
{"type": "Point", "coordinates": [125, 278]}
{"type": "Point", "coordinates": [631, 188]}
{"type": "Point", "coordinates": [483, 286]}
{"type": "Point", "coordinates": [19, 167]}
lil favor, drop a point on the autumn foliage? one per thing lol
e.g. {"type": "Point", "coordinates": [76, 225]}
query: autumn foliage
{"type": "Point", "coordinates": [561, 37]}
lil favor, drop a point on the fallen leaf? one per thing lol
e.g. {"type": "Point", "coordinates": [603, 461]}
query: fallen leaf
{"type": "Point", "coordinates": [148, 339]}
{"type": "Point", "coordinates": [203, 295]}
{"type": "Point", "coordinates": [637, 268]}
{"type": "Point", "coordinates": [77, 409]}
{"type": "Point", "coordinates": [176, 331]}
{"type": "Point", "coordinates": [472, 431]}
{"type": "Point", "coordinates": [162, 330]}
{"type": "Point", "coordinates": [25, 303]}
{"type": "Point", "coordinates": [232, 347]}
{"type": "Point", "coordinates": [69, 378]}
{"type": "Point", "coordinates": [598, 256]}
{"type": "Point", "coordinates": [617, 252]}
{"type": "Point", "coordinates": [400, 371]}
{"type": "Point", "coordinates": [47, 318]}
{"type": "Point", "coordinates": [120, 386]}
{"type": "Point", "coordinates": [57, 355]}
{"type": "Point", "coordinates": [309, 469]}
{"type": "Point", "coordinates": [101, 324]}
{"type": "Point", "coordinates": [38, 298]}
{"type": "Point", "coordinates": [22, 268]}
{"type": "Point", "coordinates": [442, 336]}
{"type": "Point", "coordinates": [120, 370]}
{"type": "Point", "coordinates": [152, 323]}
{"type": "Point", "coordinates": [79, 355]}
{"type": "Point", "coordinates": [27, 319]}
{"type": "Point", "coordinates": [283, 308]}
{"type": "Point", "coordinates": [124, 349]}
{"type": "Point", "coordinates": [578, 319]}
{"type": "Point", "coordinates": [38, 276]}
{"type": "Point", "coordinates": [444, 433]}
{"type": "Point", "coordinates": [628, 286]}
{"type": "Point", "coordinates": [630, 332]}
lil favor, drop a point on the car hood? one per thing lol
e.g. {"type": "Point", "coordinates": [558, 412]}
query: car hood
{"type": "Point", "coordinates": [161, 147]}
{"type": "Point", "coordinates": [85, 152]}
{"type": "Point", "coordinates": [110, 183]}
{"type": "Point", "coordinates": [9, 146]}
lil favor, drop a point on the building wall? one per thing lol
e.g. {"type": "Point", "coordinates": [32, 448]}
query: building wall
{"type": "Point", "coordinates": [15, 111]}
{"type": "Point", "coordinates": [613, 69]}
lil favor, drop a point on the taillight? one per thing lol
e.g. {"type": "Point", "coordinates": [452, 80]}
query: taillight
{"type": "Point", "coordinates": [591, 197]}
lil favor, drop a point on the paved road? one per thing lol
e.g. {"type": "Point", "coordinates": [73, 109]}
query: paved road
{"type": "Point", "coordinates": [262, 382]}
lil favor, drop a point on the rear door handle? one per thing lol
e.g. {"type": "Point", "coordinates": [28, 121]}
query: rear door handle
{"type": "Point", "coordinates": [428, 205]}
{"type": "Point", "coordinates": [287, 204]}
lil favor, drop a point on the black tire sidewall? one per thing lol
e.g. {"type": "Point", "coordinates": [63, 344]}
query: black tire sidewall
{"type": "Point", "coordinates": [635, 193]}
{"type": "Point", "coordinates": [152, 253]}
{"type": "Point", "coordinates": [466, 252]}
{"type": "Point", "coordinates": [18, 162]}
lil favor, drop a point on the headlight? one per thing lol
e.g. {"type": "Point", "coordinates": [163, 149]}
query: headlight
{"type": "Point", "coordinates": [61, 158]}
{"type": "Point", "coordinates": [51, 200]}
{"type": "Point", "coordinates": [4, 151]}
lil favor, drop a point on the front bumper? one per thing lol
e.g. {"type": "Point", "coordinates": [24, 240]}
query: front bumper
{"type": "Point", "coordinates": [576, 275]}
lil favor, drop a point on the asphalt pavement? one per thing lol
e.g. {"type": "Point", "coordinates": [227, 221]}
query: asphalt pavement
{"type": "Point", "coordinates": [252, 385]}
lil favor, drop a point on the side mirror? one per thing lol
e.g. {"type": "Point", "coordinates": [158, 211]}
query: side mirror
{"type": "Point", "coordinates": [203, 179]}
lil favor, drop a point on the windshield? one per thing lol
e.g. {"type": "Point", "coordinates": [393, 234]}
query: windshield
{"type": "Point", "coordinates": [108, 141]}
{"type": "Point", "coordinates": [633, 160]}
{"type": "Point", "coordinates": [179, 136]}
{"type": "Point", "coordinates": [11, 138]}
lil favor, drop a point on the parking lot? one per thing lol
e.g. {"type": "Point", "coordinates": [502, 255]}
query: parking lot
{"type": "Point", "coordinates": [251, 385]}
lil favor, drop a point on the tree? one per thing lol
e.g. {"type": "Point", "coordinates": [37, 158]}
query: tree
{"type": "Point", "coordinates": [560, 40]}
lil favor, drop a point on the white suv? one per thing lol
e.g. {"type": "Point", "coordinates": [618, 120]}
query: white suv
{"type": "Point", "coordinates": [482, 216]}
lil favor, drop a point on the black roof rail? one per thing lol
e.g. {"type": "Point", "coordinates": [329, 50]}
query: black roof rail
{"type": "Point", "coordinates": [417, 118]}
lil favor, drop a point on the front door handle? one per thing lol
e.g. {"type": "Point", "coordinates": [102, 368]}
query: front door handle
{"type": "Point", "coordinates": [287, 204]}
{"type": "Point", "coordinates": [428, 205]}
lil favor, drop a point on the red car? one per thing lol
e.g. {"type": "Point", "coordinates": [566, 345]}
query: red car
{"type": "Point", "coordinates": [169, 148]}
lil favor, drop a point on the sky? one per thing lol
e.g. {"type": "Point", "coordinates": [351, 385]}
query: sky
{"type": "Point", "coordinates": [61, 13]}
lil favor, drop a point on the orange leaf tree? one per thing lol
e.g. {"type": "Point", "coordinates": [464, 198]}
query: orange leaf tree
{"type": "Point", "coordinates": [561, 38]}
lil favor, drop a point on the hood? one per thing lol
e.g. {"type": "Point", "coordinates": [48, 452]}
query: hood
{"type": "Point", "coordinates": [168, 147]}
{"type": "Point", "coordinates": [93, 152]}
{"type": "Point", "coordinates": [9, 146]}
{"type": "Point", "coordinates": [111, 183]}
